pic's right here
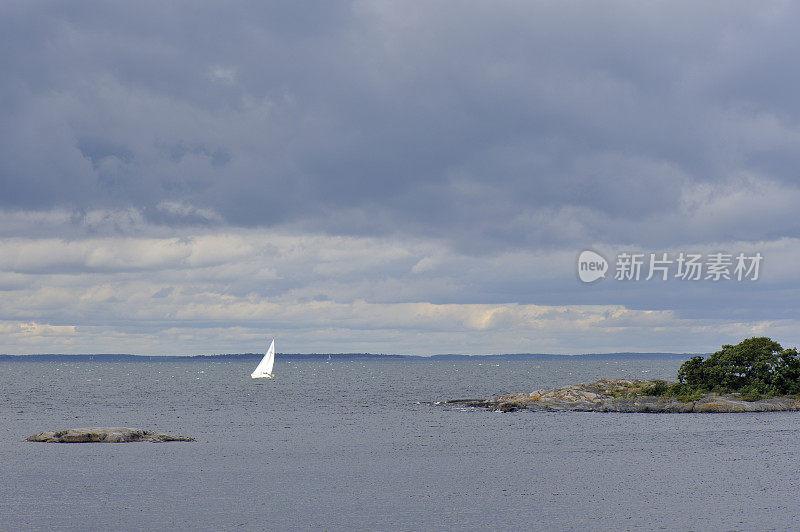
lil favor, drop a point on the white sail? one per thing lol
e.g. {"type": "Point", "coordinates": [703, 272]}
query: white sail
{"type": "Point", "coordinates": [264, 368]}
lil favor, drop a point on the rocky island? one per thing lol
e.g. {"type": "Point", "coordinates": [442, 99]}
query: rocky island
{"type": "Point", "coordinates": [625, 395]}
{"type": "Point", "coordinates": [755, 375]}
{"type": "Point", "coordinates": [104, 435]}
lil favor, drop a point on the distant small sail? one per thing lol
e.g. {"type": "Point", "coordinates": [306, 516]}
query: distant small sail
{"type": "Point", "coordinates": [264, 368]}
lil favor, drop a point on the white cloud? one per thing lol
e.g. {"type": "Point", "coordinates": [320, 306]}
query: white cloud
{"type": "Point", "coordinates": [184, 210]}
{"type": "Point", "coordinates": [221, 74]}
{"type": "Point", "coordinates": [226, 288]}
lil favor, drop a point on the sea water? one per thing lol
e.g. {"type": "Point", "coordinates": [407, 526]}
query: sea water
{"type": "Point", "coordinates": [359, 444]}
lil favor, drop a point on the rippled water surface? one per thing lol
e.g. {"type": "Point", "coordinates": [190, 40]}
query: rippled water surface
{"type": "Point", "coordinates": [357, 444]}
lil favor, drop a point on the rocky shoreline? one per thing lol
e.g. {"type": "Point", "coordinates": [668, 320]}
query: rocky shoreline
{"type": "Point", "coordinates": [104, 435]}
{"type": "Point", "coordinates": [624, 395]}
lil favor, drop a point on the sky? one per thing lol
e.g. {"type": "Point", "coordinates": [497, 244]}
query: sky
{"type": "Point", "coordinates": [396, 177]}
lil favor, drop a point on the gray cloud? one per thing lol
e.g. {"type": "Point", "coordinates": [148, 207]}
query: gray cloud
{"type": "Point", "coordinates": [464, 121]}
{"type": "Point", "coordinates": [440, 159]}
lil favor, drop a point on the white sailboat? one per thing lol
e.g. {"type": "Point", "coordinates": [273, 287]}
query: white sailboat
{"type": "Point", "coordinates": [264, 368]}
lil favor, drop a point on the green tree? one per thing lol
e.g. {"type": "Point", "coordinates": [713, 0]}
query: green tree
{"type": "Point", "coordinates": [692, 372]}
{"type": "Point", "coordinates": [755, 366]}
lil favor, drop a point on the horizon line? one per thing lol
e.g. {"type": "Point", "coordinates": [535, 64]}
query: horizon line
{"type": "Point", "coordinates": [342, 355]}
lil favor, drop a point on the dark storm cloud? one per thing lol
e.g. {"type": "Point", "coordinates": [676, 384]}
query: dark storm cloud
{"type": "Point", "coordinates": [480, 123]}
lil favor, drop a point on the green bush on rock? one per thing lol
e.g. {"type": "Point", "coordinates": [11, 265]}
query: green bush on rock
{"type": "Point", "coordinates": [658, 387]}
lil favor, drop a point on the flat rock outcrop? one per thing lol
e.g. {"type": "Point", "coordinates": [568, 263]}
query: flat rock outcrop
{"type": "Point", "coordinates": [623, 395]}
{"type": "Point", "coordinates": [104, 435]}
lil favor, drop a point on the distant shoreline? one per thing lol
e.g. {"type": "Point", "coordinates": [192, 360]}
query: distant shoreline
{"type": "Point", "coordinates": [113, 357]}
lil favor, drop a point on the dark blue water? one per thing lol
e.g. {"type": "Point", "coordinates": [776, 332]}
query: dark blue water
{"type": "Point", "coordinates": [355, 445]}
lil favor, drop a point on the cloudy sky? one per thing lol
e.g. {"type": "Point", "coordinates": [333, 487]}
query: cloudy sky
{"type": "Point", "coordinates": [394, 177]}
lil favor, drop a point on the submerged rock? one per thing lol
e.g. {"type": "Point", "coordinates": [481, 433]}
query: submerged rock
{"type": "Point", "coordinates": [104, 435]}
{"type": "Point", "coordinates": [623, 395]}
